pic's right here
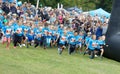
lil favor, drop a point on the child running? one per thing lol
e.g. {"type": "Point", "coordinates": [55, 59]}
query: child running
{"type": "Point", "coordinates": [62, 42]}
{"type": "Point", "coordinates": [7, 34]}
{"type": "Point", "coordinates": [101, 44]}
{"type": "Point", "coordinates": [91, 46]}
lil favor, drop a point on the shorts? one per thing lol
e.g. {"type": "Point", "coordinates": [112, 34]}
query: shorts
{"type": "Point", "coordinates": [6, 39]}
{"type": "Point", "coordinates": [90, 51]}
{"type": "Point", "coordinates": [98, 51]}
{"type": "Point", "coordinates": [72, 46]}
{"type": "Point", "coordinates": [61, 45]}
{"type": "Point", "coordinates": [102, 46]}
{"type": "Point", "coordinates": [23, 37]}
{"type": "Point", "coordinates": [78, 45]}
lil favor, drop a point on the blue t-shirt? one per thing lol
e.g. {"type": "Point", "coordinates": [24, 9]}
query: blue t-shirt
{"type": "Point", "coordinates": [92, 44]}
{"type": "Point", "coordinates": [14, 26]}
{"type": "Point", "coordinates": [27, 28]}
{"type": "Point", "coordinates": [99, 32]}
{"type": "Point", "coordinates": [70, 34]}
{"type": "Point", "coordinates": [23, 27]}
{"type": "Point", "coordinates": [1, 24]}
{"type": "Point", "coordinates": [7, 31]}
{"type": "Point", "coordinates": [38, 36]}
{"type": "Point", "coordinates": [19, 29]}
{"type": "Point", "coordinates": [36, 30]}
{"type": "Point", "coordinates": [60, 30]}
{"type": "Point", "coordinates": [54, 35]}
{"type": "Point", "coordinates": [48, 38]}
{"type": "Point", "coordinates": [99, 43]}
{"type": "Point", "coordinates": [79, 39]}
{"type": "Point", "coordinates": [72, 40]}
{"type": "Point", "coordinates": [87, 39]}
{"type": "Point", "coordinates": [30, 37]}
{"type": "Point", "coordinates": [63, 39]}
{"type": "Point", "coordinates": [45, 29]}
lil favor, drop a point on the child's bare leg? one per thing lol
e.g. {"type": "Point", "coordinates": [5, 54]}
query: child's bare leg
{"type": "Point", "coordinates": [8, 43]}
{"type": "Point", "coordinates": [81, 47]}
{"type": "Point", "coordinates": [102, 51]}
{"type": "Point", "coordinates": [4, 40]}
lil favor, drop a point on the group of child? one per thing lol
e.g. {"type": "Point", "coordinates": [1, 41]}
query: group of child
{"type": "Point", "coordinates": [25, 34]}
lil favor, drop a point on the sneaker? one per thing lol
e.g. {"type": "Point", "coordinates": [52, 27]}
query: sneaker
{"type": "Point", "coordinates": [59, 51]}
{"type": "Point", "coordinates": [20, 45]}
{"type": "Point", "coordinates": [96, 56]}
{"type": "Point", "coordinates": [23, 45]}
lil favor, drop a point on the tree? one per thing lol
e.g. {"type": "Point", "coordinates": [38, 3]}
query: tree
{"type": "Point", "coordinates": [85, 4]}
{"type": "Point", "coordinates": [105, 4]}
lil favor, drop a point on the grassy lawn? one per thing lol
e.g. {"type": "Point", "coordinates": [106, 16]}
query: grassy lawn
{"type": "Point", "coordinates": [40, 61]}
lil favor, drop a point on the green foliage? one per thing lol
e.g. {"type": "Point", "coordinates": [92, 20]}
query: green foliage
{"type": "Point", "coordinates": [85, 4]}
{"type": "Point", "coordinates": [105, 4]}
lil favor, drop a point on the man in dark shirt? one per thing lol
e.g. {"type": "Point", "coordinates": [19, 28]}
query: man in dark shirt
{"type": "Point", "coordinates": [13, 9]}
{"type": "Point", "coordinates": [5, 8]}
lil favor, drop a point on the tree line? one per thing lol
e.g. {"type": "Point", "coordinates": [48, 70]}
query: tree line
{"type": "Point", "coordinates": [86, 5]}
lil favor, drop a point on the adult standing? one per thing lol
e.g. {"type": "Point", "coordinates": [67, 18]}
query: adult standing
{"type": "Point", "coordinates": [13, 9]}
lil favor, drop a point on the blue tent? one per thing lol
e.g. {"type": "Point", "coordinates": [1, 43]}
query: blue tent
{"type": "Point", "coordinates": [75, 9]}
{"type": "Point", "coordinates": [100, 12]}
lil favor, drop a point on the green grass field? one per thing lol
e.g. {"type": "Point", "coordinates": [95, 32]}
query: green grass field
{"type": "Point", "coordinates": [40, 61]}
